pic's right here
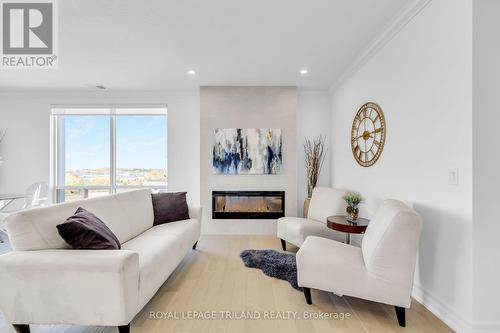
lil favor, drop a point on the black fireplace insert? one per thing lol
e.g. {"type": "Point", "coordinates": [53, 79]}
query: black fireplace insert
{"type": "Point", "coordinates": [248, 204]}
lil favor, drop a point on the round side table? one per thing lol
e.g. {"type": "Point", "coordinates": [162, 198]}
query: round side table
{"type": "Point", "coordinates": [344, 224]}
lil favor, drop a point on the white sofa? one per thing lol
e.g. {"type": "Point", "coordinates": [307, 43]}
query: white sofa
{"type": "Point", "coordinates": [325, 201]}
{"type": "Point", "coordinates": [43, 281]}
{"type": "Point", "coordinates": [381, 270]}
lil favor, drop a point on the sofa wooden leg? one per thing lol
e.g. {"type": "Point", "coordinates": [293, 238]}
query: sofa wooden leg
{"type": "Point", "coordinates": [124, 329]}
{"type": "Point", "coordinates": [22, 328]}
{"type": "Point", "coordinates": [283, 244]}
{"type": "Point", "coordinates": [307, 294]}
{"type": "Point", "coordinates": [194, 245]}
{"type": "Point", "coordinates": [401, 314]}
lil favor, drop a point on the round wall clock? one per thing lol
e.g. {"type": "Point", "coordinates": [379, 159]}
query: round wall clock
{"type": "Point", "coordinates": [368, 134]}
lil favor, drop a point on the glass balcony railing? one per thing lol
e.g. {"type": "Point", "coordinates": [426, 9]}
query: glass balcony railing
{"type": "Point", "coordinates": [73, 193]}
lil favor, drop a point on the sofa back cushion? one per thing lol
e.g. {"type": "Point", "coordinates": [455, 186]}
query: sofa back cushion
{"type": "Point", "coordinates": [326, 201]}
{"type": "Point", "coordinates": [391, 241]}
{"type": "Point", "coordinates": [126, 214]}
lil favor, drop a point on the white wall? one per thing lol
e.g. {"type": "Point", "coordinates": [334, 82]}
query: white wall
{"type": "Point", "coordinates": [422, 80]}
{"type": "Point", "coordinates": [26, 147]}
{"type": "Point", "coordinates": [486, 160]}
{"type": "Point", "coordinates": [313, 119]}
{"type": "Point", "coordinates": [247, 107]}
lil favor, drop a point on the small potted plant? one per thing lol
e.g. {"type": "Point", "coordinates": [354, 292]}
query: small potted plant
{"type": "Point", "coordinates": [352, 199]}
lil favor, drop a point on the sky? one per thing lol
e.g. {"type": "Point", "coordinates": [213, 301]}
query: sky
{"type": "Point", "coordinates": [141, 142]}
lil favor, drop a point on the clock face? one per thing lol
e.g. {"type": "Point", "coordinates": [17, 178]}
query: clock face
{"type": "Point", "coordinates": [368, 134]}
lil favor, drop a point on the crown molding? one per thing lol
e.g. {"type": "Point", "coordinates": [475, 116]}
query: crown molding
{"type": "Point", "coordinates": [312, 90]}
{"type": "Point", "coordinates": [100, 93]}
{"type": "Point", "coordinates": [388, 32]}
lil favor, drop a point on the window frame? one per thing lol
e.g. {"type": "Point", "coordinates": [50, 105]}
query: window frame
{"type": "Point", "coordinates": [57, 151]}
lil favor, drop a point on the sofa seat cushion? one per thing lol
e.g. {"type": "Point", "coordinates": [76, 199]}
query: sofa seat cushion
{"type": "Point", "coordinates": [296, 229]}
{"type": "Point", "coordinates": [160, 250]}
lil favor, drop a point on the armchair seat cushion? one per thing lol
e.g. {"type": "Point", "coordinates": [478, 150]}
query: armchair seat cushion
{"type": "Point", "coordinates": [296, 229]}
{"type": "Point", "coordinates": [329, 265]}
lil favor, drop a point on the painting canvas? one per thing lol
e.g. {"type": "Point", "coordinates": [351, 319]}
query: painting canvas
{"type": "Point", "coordinates": [247, 151]}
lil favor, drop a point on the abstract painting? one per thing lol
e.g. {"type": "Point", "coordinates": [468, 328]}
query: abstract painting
{"type": "Point", "coordinates": [247, 151]}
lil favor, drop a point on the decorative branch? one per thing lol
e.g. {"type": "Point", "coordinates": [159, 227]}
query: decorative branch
{"type": "Point", "coordinates": [315, 154]}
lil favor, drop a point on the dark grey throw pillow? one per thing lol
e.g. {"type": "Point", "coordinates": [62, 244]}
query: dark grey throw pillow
{"type": "Point", "coordinates": [169, 207]}
{"type": "Point", "coordinates": [86, 231]}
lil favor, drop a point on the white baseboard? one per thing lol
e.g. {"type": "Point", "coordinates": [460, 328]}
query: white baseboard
{"type": "Point", "coordinates": [486, 327]}
{"type": "Point", "coordinates": [448, 315]}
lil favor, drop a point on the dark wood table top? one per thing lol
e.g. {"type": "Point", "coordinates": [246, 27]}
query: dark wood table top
{"type": "Point", "coordinates": [343, 224]}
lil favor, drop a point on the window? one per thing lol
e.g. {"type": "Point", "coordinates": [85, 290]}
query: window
{"type": "Point", "coordinates": [103, 150]}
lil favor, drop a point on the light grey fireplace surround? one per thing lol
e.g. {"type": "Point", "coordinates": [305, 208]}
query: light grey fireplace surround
{"type": "Point", "coordinates": [247, 107]}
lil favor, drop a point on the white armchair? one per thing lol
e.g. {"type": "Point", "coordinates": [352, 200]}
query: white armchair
{"type": "Point", "coordinates": [325, 202]}
{"type": "Point", "coordinates": [381, 270]}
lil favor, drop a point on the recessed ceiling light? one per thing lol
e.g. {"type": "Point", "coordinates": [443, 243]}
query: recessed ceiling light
{"type": "Point", "coordinates": [191, 72]}
{"type": "Point", "coordinates": [303, 71]}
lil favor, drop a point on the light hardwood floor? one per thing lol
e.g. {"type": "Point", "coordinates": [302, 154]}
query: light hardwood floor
{"type": "Point", "coordinates": [213, 278]}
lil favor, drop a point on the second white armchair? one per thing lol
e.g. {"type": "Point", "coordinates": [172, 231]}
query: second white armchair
{"type": "Point", "coordinates": [325, 202]}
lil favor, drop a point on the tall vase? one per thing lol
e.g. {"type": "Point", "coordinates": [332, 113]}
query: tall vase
{"type": "Point", "coordinates": [307, 201]}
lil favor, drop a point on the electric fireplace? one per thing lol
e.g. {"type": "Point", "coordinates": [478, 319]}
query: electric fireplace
{"type": "Point", "coordinates": [248, 204]}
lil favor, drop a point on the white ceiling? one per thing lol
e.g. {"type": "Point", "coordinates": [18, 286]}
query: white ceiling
{"type": "Point", "coordinates": [150, 45]}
